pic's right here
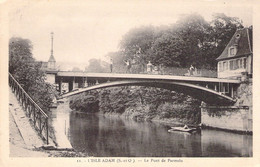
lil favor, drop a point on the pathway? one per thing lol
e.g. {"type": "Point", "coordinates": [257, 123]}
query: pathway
{"type": "Point", "coordinates": [22, 137]}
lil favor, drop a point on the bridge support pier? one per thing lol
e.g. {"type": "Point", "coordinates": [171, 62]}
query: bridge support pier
{"type": "Point", "coordinates": [81, 83]}
{"type": "Point", "coordinates": [235, 118]}
{"type": "Point", "coordinates": [72, 84]}
{"type": "Point", "coordinates": [60, 86]}
{"type": "Point", "coordinates": [85, 81]}
{"type": "Point", "coordinates": [232, 91]}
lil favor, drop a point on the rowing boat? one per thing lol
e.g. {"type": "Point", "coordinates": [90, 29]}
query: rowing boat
{"type": "Point", "coordinates": [181, 129]}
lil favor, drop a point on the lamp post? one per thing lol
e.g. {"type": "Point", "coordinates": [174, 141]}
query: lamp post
{"type": "Point", "coordinates": [52, 43]}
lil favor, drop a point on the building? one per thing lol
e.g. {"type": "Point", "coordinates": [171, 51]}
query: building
{"type": "Point", "coordinates": [237, 58]}
{"type": "Point", "coordinates": [52, 63]}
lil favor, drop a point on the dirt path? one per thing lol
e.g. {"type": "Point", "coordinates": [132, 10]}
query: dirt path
{"type": "Point", "coordinates": [22, 137]}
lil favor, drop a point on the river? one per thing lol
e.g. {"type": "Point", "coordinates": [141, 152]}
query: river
{"type": "Point", "coordinates": [102, 136]}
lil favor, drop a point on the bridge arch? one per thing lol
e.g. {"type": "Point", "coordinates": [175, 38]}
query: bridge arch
{"type": "Point", "coordinates": [207, 95]}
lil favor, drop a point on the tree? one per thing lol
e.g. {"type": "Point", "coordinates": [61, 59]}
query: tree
{"type": "Point", "coordinates": [96, 65]}
{"type": "Point", "coordinates": [193, 30]}
{"type": "Point", "coordinates": [28, 72]}
{"type": "Point", "coordinates": [136, 45]}
{"type": "Point", "coordinates": [221, 31]}
{"type": "Point", "coordinates": [76, 69]}
{"type": "Point", "coordinates": [190, 41]}
{"type": "Point", "coordinates": [167, 50]}
{"type": "Point", "coordinates": [20, 54]}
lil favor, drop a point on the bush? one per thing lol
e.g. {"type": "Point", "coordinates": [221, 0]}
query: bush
{"type": "Point", "coordinates": [87, 102]}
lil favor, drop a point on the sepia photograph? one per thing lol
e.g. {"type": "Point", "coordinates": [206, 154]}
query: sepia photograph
{"type": "Point", "coordinates": [129, 82]}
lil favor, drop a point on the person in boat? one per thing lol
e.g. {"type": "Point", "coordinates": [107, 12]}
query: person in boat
{"type": "Point", "coordinates": [186, 127]}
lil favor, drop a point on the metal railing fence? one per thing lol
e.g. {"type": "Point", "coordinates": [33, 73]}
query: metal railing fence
{"type": "Point", "coordinates": [33, 111]}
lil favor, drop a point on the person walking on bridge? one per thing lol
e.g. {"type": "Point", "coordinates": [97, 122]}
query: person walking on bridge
{"type": "Point", "coordinates": [191, 70]}
{"type": "Point", "coordinates": [128, 66]}
{"type": "Point", "coordinates": [111, 65]}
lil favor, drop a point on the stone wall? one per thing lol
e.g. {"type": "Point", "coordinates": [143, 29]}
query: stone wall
{"type": "Point", "coordinates": [230, 118]}
{"type": "Point", "coordinates": [237, 117]}
{"type": "Point", "coordinates": [244, 94]}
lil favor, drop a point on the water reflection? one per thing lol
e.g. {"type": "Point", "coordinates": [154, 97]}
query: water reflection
{"type": "Point", "coordinates": [114, 137]}
{"type": "Point", "coordinates": [219, 144]}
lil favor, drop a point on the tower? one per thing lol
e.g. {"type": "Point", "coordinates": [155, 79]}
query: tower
{"type": "Point", "coordinates": [51, 61]}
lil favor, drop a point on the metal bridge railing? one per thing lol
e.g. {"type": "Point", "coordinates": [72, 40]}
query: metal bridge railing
{"type": "Point", "coordinates": [33, 111]}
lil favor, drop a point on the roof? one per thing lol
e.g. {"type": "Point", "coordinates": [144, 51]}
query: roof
{"type": "Point", "coordinates": [51, 59]}
{"type": "Point", "coordinates": [243, 39]}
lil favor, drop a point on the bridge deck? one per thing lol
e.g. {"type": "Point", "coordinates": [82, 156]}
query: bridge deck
{"type": "Point", "coordinates": [145, 76]}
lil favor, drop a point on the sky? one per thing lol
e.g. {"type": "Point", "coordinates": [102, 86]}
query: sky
{"type": "Point", "coordinates": [90, 29]}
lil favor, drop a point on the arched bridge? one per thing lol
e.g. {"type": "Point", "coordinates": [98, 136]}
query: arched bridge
{"type": "Point", "coordinates": [199, 92]}
{"type": "Point", "coordinates": [214, 91]}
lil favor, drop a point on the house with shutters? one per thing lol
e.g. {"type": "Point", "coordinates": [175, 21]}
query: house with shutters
{"type": "Point", "coordinates": [237, 58]}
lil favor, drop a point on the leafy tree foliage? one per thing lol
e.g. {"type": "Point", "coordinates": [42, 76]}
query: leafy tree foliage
{"type": "Point", "coordinates": [145, 103]}
{"type": "Point", "coordinates": [97, 65]}
{"type": "Point", "coordinates": [87, 102]}
{"type": "Point", "coordinates": [76, 69]}
{"type": "Point", "coordinates": [138, 40]}
{"type": "Point", "coordinates": [20, 54]}
{"type": "Point", "coordinates": [193, 31]}
{"type": "Point", "coordinates": [167, 50]}
{"type": "Point", "coordinates": [136, 45]}
{"type": "Point", "coordinates": [222, 28]}
{"type": "Point", "coordinates": [191, 40]}
{"type": "Point", "coordinates": [28, 72]}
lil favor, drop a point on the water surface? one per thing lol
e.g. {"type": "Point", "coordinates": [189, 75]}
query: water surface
{"type": "Point", "coordinates": [102, 136]}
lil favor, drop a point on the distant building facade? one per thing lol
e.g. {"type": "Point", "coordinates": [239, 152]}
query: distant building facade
{"type": "Point", "coordinates": [50, 68]}
{"type": "Point", "coordinates": [51, 63]}
{"type": "Point", "coordinates": [237, 58]}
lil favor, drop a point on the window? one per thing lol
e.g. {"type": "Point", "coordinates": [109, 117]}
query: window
{"type": "Point", "coordinates": [232, 51]}
{"type": "Point", "coordinates": [237, 63]}
{"type": "Point", "coordinates": [240, 63]}
{"type": "Point", "coordinates": [219, 66]}
{"type": "Point", "coordinates": [224, 66]}
{"type": "Point", "coordinates": [231, 64]}
{"type": "Point", "coordinates": [245, 62]}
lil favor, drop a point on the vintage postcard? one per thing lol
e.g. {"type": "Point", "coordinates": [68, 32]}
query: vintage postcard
{"type": "Point", "coordinates": [136, 83]}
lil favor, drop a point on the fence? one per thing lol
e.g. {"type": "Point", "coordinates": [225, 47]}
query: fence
{"type": "Point", "coordinates": [161, 70]}
{"type": "Point", "coordinates": [33, 111]}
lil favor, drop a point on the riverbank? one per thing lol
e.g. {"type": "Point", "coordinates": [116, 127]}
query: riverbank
{"type": "Point", "coordinates": [24, 140]}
